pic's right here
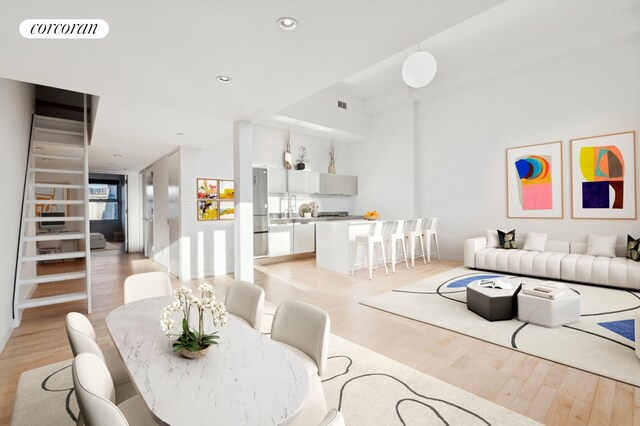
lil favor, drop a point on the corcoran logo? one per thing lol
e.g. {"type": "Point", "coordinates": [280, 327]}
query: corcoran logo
{"type": "Point", "coordinates": [64, 28]}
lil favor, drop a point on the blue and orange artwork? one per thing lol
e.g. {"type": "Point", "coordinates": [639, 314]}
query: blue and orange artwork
{"type": "Point", "coordinates": [534, 182]}
{"type": "Point", "coordinates": [603, 170]}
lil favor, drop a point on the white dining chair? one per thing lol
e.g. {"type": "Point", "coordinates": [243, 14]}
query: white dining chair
{"type": "Point", "coordinates": [96, 397]}
{"type": "Point", "coordinates": [372, 241]}
{"type": "Point", "coordinates": [415, 232]}
{"type": "Point", "coordinates": [397, 235]}
{"type": "Point", "coordinates": [146, 284]}
{"type": "Point", "coordinates": [245, 301]}
{"type": "Point", "coordinates": [304, 329]}
{"type": "Point", "coordinates": [333, 418]}
{"type": "Point", "coordinates": [82, 339]}
{"type": "Point", "coordinates": [430, 232]}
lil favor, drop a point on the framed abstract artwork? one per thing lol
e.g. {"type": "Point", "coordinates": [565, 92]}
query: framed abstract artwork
{"type": "Point", "coordinates": [534, 181]}
{"type": "Point", "coordinates": [603, 176]}
{"type": "Point", "coordinates": [208, 210]}
{"type": "Point", "coordinates": [207, 189]}
{"type": "Point", "coordinates": [227, 210]}
{"type": "Point", "coordinates": [227, 191]}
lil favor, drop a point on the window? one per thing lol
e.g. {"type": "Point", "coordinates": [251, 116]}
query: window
{"type": "Point", "coordinates": [103, 201]}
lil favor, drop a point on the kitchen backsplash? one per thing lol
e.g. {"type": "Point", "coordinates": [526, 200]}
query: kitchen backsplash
{"type": "Point", "coordinates": [278, 204]}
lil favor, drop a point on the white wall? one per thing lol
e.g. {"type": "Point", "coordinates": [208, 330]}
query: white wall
{"type": "Point", "coordinates": [16, 107]}
{"type": "Point", "coordinates": [384, 165]}
{"type": "Point", "coordinates": [463, 133]}
{"type": "Point", "coordinates": [206, 247]}
{"type": "Point", "coordinates": [322, 108]}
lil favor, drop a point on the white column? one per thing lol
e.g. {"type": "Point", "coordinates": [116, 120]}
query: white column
{"type": "Point", "coordinates": [243, 176]}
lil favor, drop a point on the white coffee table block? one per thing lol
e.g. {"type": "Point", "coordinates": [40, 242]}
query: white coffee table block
{"type": "Point", "coordinates": [549, 312]}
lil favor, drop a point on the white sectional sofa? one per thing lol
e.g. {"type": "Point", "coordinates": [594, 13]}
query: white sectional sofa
{"type": "Point", "coordinates": [560, 260]}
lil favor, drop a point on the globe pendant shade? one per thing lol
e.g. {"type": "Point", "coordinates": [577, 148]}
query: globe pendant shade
{"type": "Point", "coordinates": [419, 69]}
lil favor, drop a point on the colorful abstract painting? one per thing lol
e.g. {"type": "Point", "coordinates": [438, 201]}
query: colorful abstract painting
{"type": "Point", "coordinates": [534, 181]}
{"type": "Point", "coordinates": [207, 189]}
{"type": "Point", "coordinates": [207, 210]}
{"type": "Point", "coordinates": [603, 177]}
{"type": "Point", "coordinates": [227, 191]}
{"type": "Point", "coordinates": [227, 210]}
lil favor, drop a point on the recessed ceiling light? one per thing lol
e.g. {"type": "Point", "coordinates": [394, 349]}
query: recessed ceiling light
{"type": "Point", "coordinates": [39, 148]}
{"type": "Point", "coordinates": [46, 159]}
{"type": "Point", "coordinates": [287, 24]}
{"type": "Point", "coordinates": [223, 79]}
{"type": "Point", "coordinates": [117, 155]}
{"type": "Point", "coordinates": [180, 134]}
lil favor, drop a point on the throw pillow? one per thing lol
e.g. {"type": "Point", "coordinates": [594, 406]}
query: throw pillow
{"type": "Point", "coordinates": [492, 238]}
{"type": "Point", "coordinates": [535, 241]}
{"type": "Point", "coordinates": [507, 239]}
{"type": "Point", "coordinates": [633, 247]}
{"type": "Point", "coordinates": [601, 245]}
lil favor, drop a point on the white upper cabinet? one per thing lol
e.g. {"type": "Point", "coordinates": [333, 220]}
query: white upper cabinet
{"type": "Point", "coordinates": [331, 184]}
{"type": "Point", "coordinates": [277, 180]}
{"type": "Point", "coordinates": [303, 182]}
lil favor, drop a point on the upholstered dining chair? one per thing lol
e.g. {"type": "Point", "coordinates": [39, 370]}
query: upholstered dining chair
{"type": "Point", "coordinates": [96, 397]}
{"type": "Point", "coordinates": [145, 285]}
{"type": "Point", "coordinates": [333, 418]}
{"type": "Point", "coordinates": [430, 232]}
{"type": "Point", "coordinates": [304, 329]}
{"type": "Point", "coordinates": [245, 301]}
{"type": "Point", "coordinates": [82, 339]}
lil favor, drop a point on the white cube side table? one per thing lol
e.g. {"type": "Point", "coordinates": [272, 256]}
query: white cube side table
{"type": "Point", "coordinates": [549, 312]}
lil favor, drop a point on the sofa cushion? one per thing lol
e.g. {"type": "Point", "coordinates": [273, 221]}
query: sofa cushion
{"type": "Point", "coordinates": [633, 248]}
{"type": "Point", "coordinates": [492, 238]}
{"type": "Point", "coordinates": [601, 245]}
{"type": "Point", "coordinates": [535, 241]}
{"type": "Point", "coordinates": [507, 239]}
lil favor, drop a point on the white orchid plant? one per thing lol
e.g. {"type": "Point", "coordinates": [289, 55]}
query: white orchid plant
{"type": "Point", "coordinates": [191, 339]}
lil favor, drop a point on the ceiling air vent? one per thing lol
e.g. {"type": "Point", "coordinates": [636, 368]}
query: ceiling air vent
{"type": "Point", "coordinates": [342, 105]}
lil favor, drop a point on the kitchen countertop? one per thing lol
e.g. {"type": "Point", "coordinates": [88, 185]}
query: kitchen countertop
{"type": "Point", "coordinates": [285, 221]}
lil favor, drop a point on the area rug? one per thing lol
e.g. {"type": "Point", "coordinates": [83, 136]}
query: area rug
{"type": "Point", "coordinates": [602, 342]}
{"type": "Point", "coordinates": [368, 388]}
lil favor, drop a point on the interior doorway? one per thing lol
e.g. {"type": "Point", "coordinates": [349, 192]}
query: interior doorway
{"type": "Point", "coordinates": [147, 179]}
{"type": "Point", "coordinates": [107, 212]}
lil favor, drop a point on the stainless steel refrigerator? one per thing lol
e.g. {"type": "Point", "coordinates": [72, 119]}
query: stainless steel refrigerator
{"type": "Point", "coordinates": [260, 213]}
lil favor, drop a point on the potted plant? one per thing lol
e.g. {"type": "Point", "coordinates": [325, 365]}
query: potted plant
{"type": "Point", "coordinates": [303, 159]}
{"type": "Point", "coordinates": [306, 211]}
{"type": "Point", "coordinates": [194, 342]}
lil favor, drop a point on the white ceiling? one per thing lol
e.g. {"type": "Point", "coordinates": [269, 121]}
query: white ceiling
{"type": "Point", "coordinates": [155, 71]}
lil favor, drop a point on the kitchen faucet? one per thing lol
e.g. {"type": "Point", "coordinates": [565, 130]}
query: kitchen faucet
{"type": "Point", "coordinates": [295, 201]}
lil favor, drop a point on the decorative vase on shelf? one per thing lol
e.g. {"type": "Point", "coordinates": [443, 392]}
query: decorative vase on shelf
{"type": "Point", "coordinates": [287, 160]}
{"type": "Point", "coordinates": [300, 166]}
{"type": "Point", "coordinates": [332, 169]}
{"type": "Point", "coordinates": [314, 213]}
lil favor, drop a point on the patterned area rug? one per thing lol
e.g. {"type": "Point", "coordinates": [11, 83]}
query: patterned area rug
{"type": "Point", "coordinates": [368, 388]}
{"type": "Point", "coordinates": [602, 342]}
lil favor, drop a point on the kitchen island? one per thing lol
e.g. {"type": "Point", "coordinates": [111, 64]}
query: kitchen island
{"type": "Point", "coordinates": [335, 244]}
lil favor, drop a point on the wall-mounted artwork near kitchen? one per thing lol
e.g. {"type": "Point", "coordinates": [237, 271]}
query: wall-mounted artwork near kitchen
{"type": "Point", "coordinates": [207, 189]}
{"type": "Point", "coordinates": [207, 210]}
{"type": "Point", "coordinates": [534, 181]}
{"type": "Point", "coordinates": [227, 191]}
{"type": "Point", "coordinates": [227, 210]}
{"type": "Point", "coordinates": [603, 176]}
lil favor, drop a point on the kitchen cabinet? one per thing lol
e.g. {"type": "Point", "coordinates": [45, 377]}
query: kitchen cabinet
{"type": "Point", "coordinates": [303, 182]}
{"type": "Point", "coordinates": [280, 240]}
{"type": "Point", "coordinates": [277, 180]}
{"type": "Point", "coordinates": [331, 184]}
{"type": "Point", "coordinates": [304, 238]}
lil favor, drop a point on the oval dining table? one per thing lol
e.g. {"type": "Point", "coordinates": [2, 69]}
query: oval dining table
{"type": "Point", "coordinates": [247, 379]}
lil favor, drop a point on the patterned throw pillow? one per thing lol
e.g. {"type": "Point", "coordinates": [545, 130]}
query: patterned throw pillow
{"type": "Point", "coordinates": [507, 239]}
{"type": "Point", "coordinates": [632, 248]}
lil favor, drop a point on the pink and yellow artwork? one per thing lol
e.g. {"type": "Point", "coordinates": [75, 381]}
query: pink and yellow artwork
{"type": "Point", "coordinates": [534, 182]}
{"type": "Point", "coordinates": [603, 170]}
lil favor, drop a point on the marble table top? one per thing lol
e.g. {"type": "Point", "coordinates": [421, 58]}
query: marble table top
{"type": "Point", "coordinates": [247, 379]}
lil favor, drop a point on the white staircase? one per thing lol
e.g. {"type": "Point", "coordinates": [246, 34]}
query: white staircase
{"type": "Point", "coordinates": [56, 181]}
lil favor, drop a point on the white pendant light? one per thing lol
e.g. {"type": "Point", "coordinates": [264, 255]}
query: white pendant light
{"type": "Point", "coordinates": [419, 69]}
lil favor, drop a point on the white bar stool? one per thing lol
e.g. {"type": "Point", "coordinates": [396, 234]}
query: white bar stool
{"type": "Point", "coordinates": [430, 232]}
{"type": "Point", "coordinates": [375, 236]}
{"type": "Point", "coordinates": [397, 234]}
{"type": "Point", "coordinates": [415, 231]}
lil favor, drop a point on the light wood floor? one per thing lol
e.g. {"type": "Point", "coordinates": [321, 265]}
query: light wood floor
{"type": "Point", "coordinates": [542, 390]}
